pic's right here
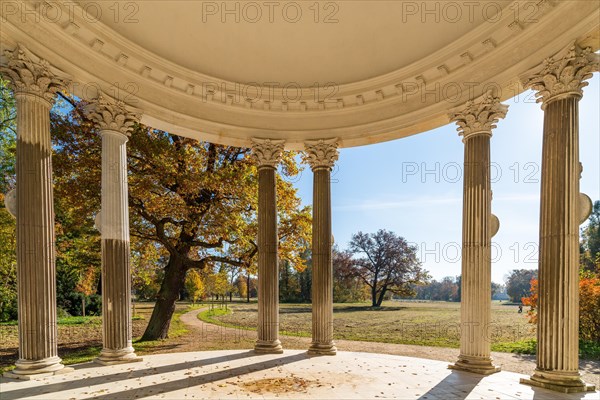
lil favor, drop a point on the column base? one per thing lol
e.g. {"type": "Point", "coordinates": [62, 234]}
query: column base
{"type": "Point", "coordinates": [477, 365]}
{"type": "Point", "coordinates": [113, 357]}
{"type": "Point", "coordinates": [564, 382]}
{"type": "Point", "coordinates": [322, 349]}
{"type": "Point", "coordinates": [29, 369]}
{"type": "Point", "coordinates": [268, 347]}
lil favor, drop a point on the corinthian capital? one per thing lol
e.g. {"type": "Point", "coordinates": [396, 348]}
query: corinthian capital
{"type": "Point", "coordinates": [478, 116]}
{"type": "Point", "coordinates": [267, 152]}
{"type": "Point", "coordinates": [30, 74]}
{"type": "Point", "coordinates": [321, 153]}
{"type": "Point", "coordinates": [110, 114]}
{"type": "Point", "coordinates": [562, 75]}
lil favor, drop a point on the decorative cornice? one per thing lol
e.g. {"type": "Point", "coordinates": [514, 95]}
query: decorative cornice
{"type": "Point", "coordinates": [478, 116]}
{"type": "Point", "coordinates": [112, 115]}
{"type": "Point", "coordinates": [129, 56]}
{"type": "Point", "coordinates": [93, 55]}
{"type": "Point", "coordinates": [562, 75]}
{"type": "Point", "coordinates": [321, 153]}
{"type": "Point", "coordinates": [267, 152]}
{"type": "Point", "coordinates": [30, 74]}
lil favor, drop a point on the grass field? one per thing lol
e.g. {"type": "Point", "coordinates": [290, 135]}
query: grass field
{"type": "Point", "coordinates": [80, 338]}
{"type": "Point", "coordinates": [421, 323]}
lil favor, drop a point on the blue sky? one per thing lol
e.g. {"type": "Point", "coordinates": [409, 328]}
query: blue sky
{"type": "Point", "coordinates": [413, 187]}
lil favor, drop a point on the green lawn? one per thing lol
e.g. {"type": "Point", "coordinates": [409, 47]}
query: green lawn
{"type": "Point", "coordinates": [422, 323]}
{"type": "Point", "coordinates": [80, 338]}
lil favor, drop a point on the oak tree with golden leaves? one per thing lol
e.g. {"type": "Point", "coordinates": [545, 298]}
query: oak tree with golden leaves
{"type": "Point", "coordinates": [196, 200]}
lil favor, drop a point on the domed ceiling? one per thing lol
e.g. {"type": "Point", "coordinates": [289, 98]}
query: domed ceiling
{"type": "Point", "coordinates": [361, 71]}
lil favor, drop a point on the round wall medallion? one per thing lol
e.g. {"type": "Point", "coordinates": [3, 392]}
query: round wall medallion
{"type": "Point", "coordinates": [97, 220]}
{"type": "Point", "coordinates": [10, 202]}
{"type": "Point", "coordinates": [494, 225]}
{"type": "Point", "coordinates": [585, 207]}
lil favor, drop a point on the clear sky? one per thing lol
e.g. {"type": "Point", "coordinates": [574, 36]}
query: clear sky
{"type": "Point", "coordinates": [413, 187]}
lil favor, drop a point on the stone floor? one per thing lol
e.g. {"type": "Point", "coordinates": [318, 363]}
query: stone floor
{"type": "Point", "coordinates": [239, 374]}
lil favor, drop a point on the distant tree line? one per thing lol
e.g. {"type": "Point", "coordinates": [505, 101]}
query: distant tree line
{"type": "Point", "coordinates": [448, 289]}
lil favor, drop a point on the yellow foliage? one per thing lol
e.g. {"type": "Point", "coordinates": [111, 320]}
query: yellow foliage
{"type": "Point", "coordinates": [194, 285]}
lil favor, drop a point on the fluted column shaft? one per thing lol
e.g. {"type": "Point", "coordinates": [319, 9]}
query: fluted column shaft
{"type": "Point", "coordinates": [558, 284]}
{"type": "Point", "coordinates": [267, 154]}
{"type": "Point", "coordinates": [114, 121]}
{"type": "Point", "coordinates": [268, 269]}
{"type": "Point", "coordinates": [36, 270]}
{"type": "Point", "coordinates": [476, 120]}
{"type": "Point", "coordinates": [476, 278]}
{"type": "Point", "coordinates": [116, 273]}
{"type": "Point", "coordinates": [322, 156]}
{"type": "Point", "coordinates": [322, 269]}
{"type": "Point", "coordinates": [559, 239]}
{"type": "Point", "coordinates": [559, 82]}
{"type": "Point", "coordinates": [35, 83]}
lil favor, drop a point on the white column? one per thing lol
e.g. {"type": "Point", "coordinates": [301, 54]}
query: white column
{"type": "Point", "coordinates": [559, 82]}
{"type": "Point", "coordinates": [114, 122]}
{"type": "Point", "coordinates": [321, 156]}
{"type": "Point", "coordinates": [268, 154]}
{"type": "Point", "coordinates": [35, 84]}
{"type": "Point", "coordinates": [476, 121]}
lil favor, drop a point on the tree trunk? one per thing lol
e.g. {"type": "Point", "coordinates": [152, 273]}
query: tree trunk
{"type": "Point", "coordinates": [381, 296]}
{"type": "Point", "coordinates": [248, 288]}
{"type": "Point", "coordinates": [374, 290]}
{"type": "Point", "coordinates": [83, 306]}
{"type": "Point", "coordinates": [374, 295]}
{"type": "Point", "coordinates": [158, 327]}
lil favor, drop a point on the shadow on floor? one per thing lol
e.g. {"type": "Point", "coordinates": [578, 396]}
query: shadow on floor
{"type": "Point", "coordinates": [186, 382]}
{"type": "Point", "coordinates": [367, 308]}
{"type": "Point", "coordinates": [96, 380]}
{"type": "Point", "coordinates": [456, 386]}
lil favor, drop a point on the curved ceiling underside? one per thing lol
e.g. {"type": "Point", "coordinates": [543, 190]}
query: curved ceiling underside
{"type": "Point", "coordinates": [341, 42]}
{"type": "Point", "coordinates": [361, 71]}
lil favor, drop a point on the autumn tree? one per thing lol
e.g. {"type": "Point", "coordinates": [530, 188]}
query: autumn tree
{"type": "Point", "coordinates": [8, 259]}
{"type": "Point", "coordinates": [195, 200]}
{"type": "Point", "coordinates": [447, 289]}
{"type": "Point", "coordinates": [8, 265]}
{"type": "Point", "coordinates": [289, 287]}
{"type": "Point", "coordinates": [194, 285]}
{"type": "Point", "coordinates": [387, 263]}
{"type": "Point", "coordinates": [198, 200]}
{"type": "Point", "coordinates": [531, 301]}
{"type": "Point", "coordinates": [86, 285]}
{"type": "Point", "coordinates": [347, 285]}
{"type": "Point", "coordinates": [146, 274]}
{"type": "Point", "coordinates": [8, 135]}
{"type": "Point", "coordinates": [518, 283]}
{"type": "Point", "coordinates": [242, 286]}
{"type": "Point", "coordinates": [589, 307]}
{"type": "Point", "coordinates": [590, 242]}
